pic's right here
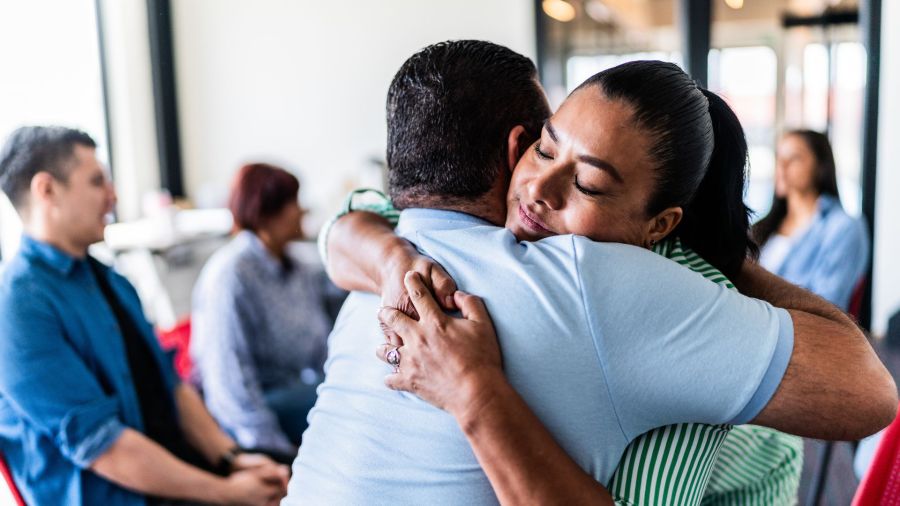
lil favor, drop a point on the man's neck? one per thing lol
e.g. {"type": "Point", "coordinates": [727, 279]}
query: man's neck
{"type": "Point", "coordinates": [490, 207]}
{"type": "Point", "coordinates": [43, 234]}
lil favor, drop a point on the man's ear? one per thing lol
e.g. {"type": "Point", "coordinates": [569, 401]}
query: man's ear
{"type": "Point", "coordinates": [43, 187]}
{"type": "Point", "coordinates": [664, 223]}
{"type": "Point", "coordinates": [515, 146]}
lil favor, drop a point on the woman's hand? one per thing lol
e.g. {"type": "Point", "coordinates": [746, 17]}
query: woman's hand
{"type": "Point", "coordinates": [444, 360]}
{"type": "Point", "coordinates": [400, 261]}
{"type": "Point", "coordinates": [455, 364]}
{"type": "Point", "coordinates": [365, 254]}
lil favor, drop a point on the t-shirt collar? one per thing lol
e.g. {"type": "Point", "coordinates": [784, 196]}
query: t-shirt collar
{"type": "Point", "coordinates": [415, 219]}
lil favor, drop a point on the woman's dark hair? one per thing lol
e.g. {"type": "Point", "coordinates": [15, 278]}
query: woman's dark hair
{"type": "Point", "coordinates": [700, 152]}
{"type": "Point", "coordinates": [824, 182]}
{"type": "Point", "coordinates": [260, 191]}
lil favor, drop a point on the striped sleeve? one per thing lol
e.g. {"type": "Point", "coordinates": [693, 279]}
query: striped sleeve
{"type": "Point", "coordinates": [361, 199]}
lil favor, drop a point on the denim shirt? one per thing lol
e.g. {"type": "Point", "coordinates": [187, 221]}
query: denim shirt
{"type": "Point", "coordinates": [66, 391]}
{"type": "Point", "coordinates": [831, 256]}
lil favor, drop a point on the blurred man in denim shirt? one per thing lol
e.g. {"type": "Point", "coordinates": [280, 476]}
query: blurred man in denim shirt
{"type": "Point", "coordinates": [91, 411]}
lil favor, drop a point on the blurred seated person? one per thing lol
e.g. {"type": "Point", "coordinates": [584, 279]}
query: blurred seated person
{"type": "Point", "coordinates": [91, 411]}
{"type": "Point", "coordinates": [807, 238]}
{"type": "Point", "coordinates": [261, 318]}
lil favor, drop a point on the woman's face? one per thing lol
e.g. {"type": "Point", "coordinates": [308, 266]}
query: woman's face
{"type": "Point", "coordinates": [286, 226]}
{"type": "Point", "coordinates": [589, 174]}
{"type": "Point", "coordinates": [795, 167]}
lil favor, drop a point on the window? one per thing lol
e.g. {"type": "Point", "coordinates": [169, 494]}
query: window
{"type": "Point", "coordinates": [49, 51]}
{"type": "Point", "coordinates": [747, 78]}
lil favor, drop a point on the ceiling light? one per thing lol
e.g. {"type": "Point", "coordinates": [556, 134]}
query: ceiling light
{"type": "Point", "coordinates": [734, 4]}
{"type": "Point", "coordinates": [598, 11]}
{"type": "Point", "coordinates": [560, 10]}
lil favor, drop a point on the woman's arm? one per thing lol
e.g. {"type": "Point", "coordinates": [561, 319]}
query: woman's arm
{"type": "Point", "coordinates": [455, 364]}
{"type": "Point", "coordinates": [223, 330]}
{"type": "Point", "coordinates": [205, 435]}
{"type": "Point", "coordinates": [826, 340]}
{"type": "Point", "coordinates": [198, 426]}
{"type": "Point", "coordinates": [364, 254]}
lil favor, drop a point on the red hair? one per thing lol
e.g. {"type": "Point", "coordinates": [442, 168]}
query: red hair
{"type": "Point", "coordinates": [260, 191]}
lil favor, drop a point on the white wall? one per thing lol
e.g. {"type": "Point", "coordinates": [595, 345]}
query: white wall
{"type": "Point", "coordinates": [886, 288]}
{"type": "Point", "coordinates": [304, 83]}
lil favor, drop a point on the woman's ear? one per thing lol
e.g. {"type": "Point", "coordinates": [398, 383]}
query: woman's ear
{"type": "Point", "coordinates": [516, 143]}
{"type": "Point", "coordinates": [663, 224]}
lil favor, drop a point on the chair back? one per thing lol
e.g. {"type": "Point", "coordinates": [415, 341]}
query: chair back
{"type": "Point", "coordinates": [881, 484]}
{"type": "Point", "coordinates": [10, 484]}
{"type": "Point", "coordinates": [177, 340]}
{"type": "Point", "coordinates": [856, 298]}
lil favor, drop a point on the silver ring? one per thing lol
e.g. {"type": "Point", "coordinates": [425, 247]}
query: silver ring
{"type": "Point", "coordinates": [393, 357]}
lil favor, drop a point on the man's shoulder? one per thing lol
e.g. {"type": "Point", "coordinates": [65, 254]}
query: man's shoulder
{"type": "Point", "coordinates": [22, 272]}
{"type": "Point", "coordinates": [606, 258]}
{"type": "Point", "coordinates": [570, 255]}
{"type": "Point", "coordinates": [25, 283]}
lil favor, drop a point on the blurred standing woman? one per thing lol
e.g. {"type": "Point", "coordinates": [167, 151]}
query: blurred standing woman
{"type": "Point", "coordinates": [807, 238]}
{"type": "Point", "coordinates": [260, 318]}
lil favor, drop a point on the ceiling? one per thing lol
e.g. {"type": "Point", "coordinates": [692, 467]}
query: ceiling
{"type": "Point", "coordinates": [657, 13]}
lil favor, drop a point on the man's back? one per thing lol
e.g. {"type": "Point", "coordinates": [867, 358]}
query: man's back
{"type": "Point", "coordinates": [591, 382]}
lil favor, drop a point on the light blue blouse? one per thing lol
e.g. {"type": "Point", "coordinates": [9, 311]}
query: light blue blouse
{"type": "Point", "coordinates": [831, 256]}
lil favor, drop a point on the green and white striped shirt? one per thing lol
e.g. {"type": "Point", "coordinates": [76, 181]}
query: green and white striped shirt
{"type": "Point", "coordinates": [686, 464]}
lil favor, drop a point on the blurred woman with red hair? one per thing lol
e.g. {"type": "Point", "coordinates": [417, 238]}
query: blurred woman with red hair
{"type": "Point", "coordinates": [261, 317]}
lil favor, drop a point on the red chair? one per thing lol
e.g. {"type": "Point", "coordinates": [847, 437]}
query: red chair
{"type": "Point", "coordinates": [881, 484]}
{"type": "Point", "coordinates": [178, 339]}
{"type": "Point", "coordinates": [856, 298]}
{"type": "Point", "coordinates": [13, 490]}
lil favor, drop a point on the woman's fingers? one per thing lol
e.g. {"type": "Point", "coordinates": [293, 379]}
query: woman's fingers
{"type": "Point", "coordinates": [422, 299]}
{"type": "Point", "coordinates": [390, 335]}
{"type": "Point", "coordinates": [395, 325]}
{"type": "Point", "coordinates": [382, 350]}
{"type": "Point", "coordinates": [396, 382]}
{"type": "Point", "coordinates": [471, 306]}
{"type": "Point", "coordinates": [444, 287]}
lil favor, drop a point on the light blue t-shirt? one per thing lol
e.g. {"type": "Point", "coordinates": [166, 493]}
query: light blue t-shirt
{"type": "Point", "coordinates": [603, 341]}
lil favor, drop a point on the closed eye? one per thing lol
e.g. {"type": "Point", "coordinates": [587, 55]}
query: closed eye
{"type": "Point", "coordinates": [587, 191]}
{"type": "Point", "coordinates": [542, 155]}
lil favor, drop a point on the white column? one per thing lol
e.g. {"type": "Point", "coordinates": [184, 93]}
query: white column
{"type": "Point", "coordinates": [886, 275]}
{"type": "Point", "coordinates": [132, 120]}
